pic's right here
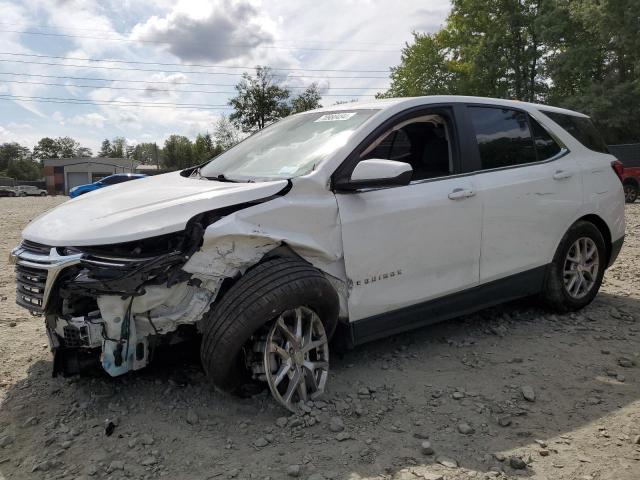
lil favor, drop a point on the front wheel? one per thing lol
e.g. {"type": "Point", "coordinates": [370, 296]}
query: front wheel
{"type": "Point", "coordinates": [630, 192]}
{"type": "Point", "coordinates": [272, 326]}
{"type": "Point", "coordinates": [575, 274]}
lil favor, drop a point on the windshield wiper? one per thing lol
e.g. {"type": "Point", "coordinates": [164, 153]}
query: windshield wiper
{"type": "Point", "coordinates": [221, 178]}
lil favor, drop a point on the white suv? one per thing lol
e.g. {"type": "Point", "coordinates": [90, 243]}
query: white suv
{"type": "Point", "coordinates": [361, 220]}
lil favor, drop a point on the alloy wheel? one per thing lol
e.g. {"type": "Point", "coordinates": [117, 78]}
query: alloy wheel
{"type": "Point", "coordinates": [630, 193]}
{"type": "Point", "coordinates": [296, 357]}
{"type": "Point", "coordinates": [581, 267]}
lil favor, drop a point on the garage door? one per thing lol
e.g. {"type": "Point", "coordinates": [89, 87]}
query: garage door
{"type": "Point", "coordinates": [76, 178]}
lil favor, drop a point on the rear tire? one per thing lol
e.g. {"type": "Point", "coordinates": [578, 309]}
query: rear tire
{"type": "Point", "coordinates": [630, 192]}
{"type": "Point", "coordinates": [256, 300]}
{"type": "Point", "coordinates": [575, 274]}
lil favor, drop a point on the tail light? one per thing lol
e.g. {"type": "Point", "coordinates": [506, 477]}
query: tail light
{"type": "Point", "coordinates": [618, 167]}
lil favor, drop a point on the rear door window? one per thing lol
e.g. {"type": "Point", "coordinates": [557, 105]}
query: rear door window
{"type": "Point", "coordinates": [580, 128]}
{"type": "Point", "coordinates": [503, 136]}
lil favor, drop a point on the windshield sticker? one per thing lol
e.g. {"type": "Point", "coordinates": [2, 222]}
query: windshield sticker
{"type": "Point", "coordinates": [335, 117]}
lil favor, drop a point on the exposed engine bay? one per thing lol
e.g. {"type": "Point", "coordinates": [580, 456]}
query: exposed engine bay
{"type": "Point", "coordinates": [119, 299]}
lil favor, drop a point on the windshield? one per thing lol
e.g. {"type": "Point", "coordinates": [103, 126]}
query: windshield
{"type": "Point", "coordinates": [289, 148]}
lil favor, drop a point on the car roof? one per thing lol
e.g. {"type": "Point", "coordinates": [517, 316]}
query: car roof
{"type": "Point", "coordinates": [385, 103]}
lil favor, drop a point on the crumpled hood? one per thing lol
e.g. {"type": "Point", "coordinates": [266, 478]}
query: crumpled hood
{"type": "Point", "coordinates": [140, 209]}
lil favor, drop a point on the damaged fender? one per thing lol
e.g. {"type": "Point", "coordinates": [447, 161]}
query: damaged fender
{"type": "Point", "coordinates": [240, 240]}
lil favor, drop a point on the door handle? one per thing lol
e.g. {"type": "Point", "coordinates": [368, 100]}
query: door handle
{"type": "Point", "coordinates": [562, 174]}
{"type": "Point", "coordinates": [461, 193]}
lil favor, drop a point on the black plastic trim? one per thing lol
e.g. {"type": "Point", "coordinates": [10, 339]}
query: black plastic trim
{"type": "Point", "coordinates": [352, 186]}
{"type": "Point", "coordinates": [450, 306]}
{"type": "Point", "coordinates": [616, 246]}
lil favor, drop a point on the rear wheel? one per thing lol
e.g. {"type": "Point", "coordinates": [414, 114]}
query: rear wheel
{"type": "Point", "coordinates": [575, 275]}
{"type": "Point", "coordinates": [630, 192]}
{"type": "Point", "coordinates": [272, 327]}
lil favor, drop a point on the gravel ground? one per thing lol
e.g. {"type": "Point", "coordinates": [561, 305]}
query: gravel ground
{"type": "Point", "coordinates": [509, 392]}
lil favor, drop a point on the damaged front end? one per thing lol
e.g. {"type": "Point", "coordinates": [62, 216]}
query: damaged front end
{"type": "Point", "coordinates": [113, 304]}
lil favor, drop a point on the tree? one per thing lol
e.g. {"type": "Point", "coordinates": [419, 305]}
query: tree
{"type": "Point", "coordinates": [424, 69]}
{"type": "Point", "coordinates": [594, 63]}
{"type": "Point", "coordinates": [146, 154]}
{"type": "Point", "coordinates": [226, 135]}
{"type": "Point", "coordinates": [177, 153]}
{"type": "Point", "coordinates": [46, 148]}
{"type": "Point", "coordinates": [260, 101]}
{"type": "Point", "coordinates": [67, 147]}
{"type": "Point", "coordinates": [118, 147]}
{"type": "Point", "coordinates": [307, 100]}
{"type": "Point", "coordinates": [84, 152]}
{"type": "Point", "coordinates": [204, 149]}
{"type": "Point", "coordinates": [24, 169]}
{"type": "Point", "coordinates": [105, 149]}
{"type": "Point", "coordinates": [12, 151]}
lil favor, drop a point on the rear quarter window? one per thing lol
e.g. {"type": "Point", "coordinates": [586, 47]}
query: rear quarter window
{"type": "Point", "coordinates": [580, 128]}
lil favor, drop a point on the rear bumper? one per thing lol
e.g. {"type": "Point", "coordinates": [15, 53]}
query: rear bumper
{"type": "Point", "coordinates": [616, 246]}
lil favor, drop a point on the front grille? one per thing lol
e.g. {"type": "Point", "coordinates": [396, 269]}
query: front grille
{"type": "Point", "coordinates": [30, 291]}
{"type": "Point", "coordinates": [37, 267]}
{"type": "Point", "coordinates": [34, 247]}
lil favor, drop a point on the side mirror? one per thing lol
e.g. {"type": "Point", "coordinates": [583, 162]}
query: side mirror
{"type": "Point", "coordinates": [377, 173]}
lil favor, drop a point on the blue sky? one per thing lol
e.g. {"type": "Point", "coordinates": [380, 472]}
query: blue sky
{"type": "Point", "coordinates": [168, 90]}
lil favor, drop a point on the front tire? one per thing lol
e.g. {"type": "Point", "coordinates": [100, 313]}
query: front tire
{"type": "Point", "coordinates": [243, 319]}
{"type": "Point", "coordinates": [575, 274]}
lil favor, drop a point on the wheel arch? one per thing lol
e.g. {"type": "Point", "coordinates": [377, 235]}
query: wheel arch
{"type": "Point", "coordinates": [602, 226]}
{"type": "Point", "coordinates": [281, 251]}
{"type": "Point", "coordinates": [631, 181]}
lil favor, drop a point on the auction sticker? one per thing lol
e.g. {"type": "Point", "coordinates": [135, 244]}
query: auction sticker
{"type": "Point", "coordinates": [335, 117]}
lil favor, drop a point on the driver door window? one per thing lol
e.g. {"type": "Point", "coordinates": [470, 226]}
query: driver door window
{"type": "Point", "coordinates": [422, 142]}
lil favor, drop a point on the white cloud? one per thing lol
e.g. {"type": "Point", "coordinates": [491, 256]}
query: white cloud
{"type": "Point", "coordinates": [58, 117]}
{"type": "Point", "coordinates": [209, 31]}
{"type": "Point", "coordinates": [89, 119]}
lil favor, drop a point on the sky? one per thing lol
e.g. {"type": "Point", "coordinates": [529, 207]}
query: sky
{"type": "Point", "coordinates": [144, 70]}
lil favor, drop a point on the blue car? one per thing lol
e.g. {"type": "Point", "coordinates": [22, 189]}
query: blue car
{"type": "Point", "coordinates": [105, 182]}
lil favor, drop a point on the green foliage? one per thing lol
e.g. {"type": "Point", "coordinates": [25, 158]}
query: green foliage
{"type": "Point", "coordinates": [46, 148]}
{"type": "Point", "coordinates": [177, 153]}
{"type": "Point", "coordinates": [146, 154]}
{"type": "Point", "coordinates": [260, 101]}
{"type": "Point", "coordinates": [580, 54]}
{"type": "Point", "coordinates": [61, 147]}
{"type": "Point", "coordinates": [118, 147]}
{"type": "Point", "coordinates": [24, 169]}
{"type": "Point", "coordinates": [204, 149]}
{"type": "Point", "coordinates": [12, 151]}
{"type": "Point", "coordinates": [105, 149]}
{"type": "Point", "coordinates": [84, 152]}
{"type": "Point", "coordinates": [423, 70]}
{"type": "Point", "coordinates": [307, 100]}
{"type": "Point", "coordinates": [226, 135]}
